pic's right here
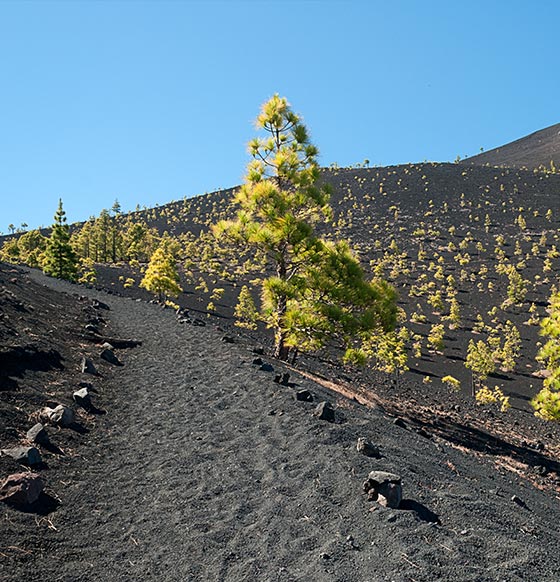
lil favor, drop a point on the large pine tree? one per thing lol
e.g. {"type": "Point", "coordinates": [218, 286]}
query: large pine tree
{"type": "Point", "coordinates": [313, 292]}
{"type": "Point", "coordinates": [60, 260]}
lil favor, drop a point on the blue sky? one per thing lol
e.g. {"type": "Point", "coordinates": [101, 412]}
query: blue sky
{"type": "Point", "coordinates": [153, 101]}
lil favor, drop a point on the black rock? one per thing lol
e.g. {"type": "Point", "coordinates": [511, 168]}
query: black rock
{"type": "Point", "coordinates": [399, 422]}
{"type": "Point", "coordinates": [266, 367]}
{"type": "Point", "coordinates": [285, 379]}
{"type": "Point", "coordinates": [88, 367]}
{"type": "Point", "coordinates": [38, 434]}
{"type": "Point", "coordinates": [99, 304]}
{"type": "Point", "coordinates": [258, 351]}
{"type": "Point", "coordinates": [26, 455]}
{"type": "Point", "coordinates": [258, 361]}
{"type": "Point", "coordinates": [82, 397]}
{"type": "Point", "coordinates": [109, 356]}
{"type": "Point", "coordinates": [325, 411]}
{"type": "Point", "coordinates": [304, 396]}
{"type": "Point", "coordinates": [227, 339]}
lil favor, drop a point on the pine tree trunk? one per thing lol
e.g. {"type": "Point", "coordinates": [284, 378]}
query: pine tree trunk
{"type": "Point", "coordinates": [280, 348]}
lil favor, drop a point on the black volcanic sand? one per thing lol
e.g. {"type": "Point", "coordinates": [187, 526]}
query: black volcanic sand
{"type": "Point", "coordinates": [204, 469]}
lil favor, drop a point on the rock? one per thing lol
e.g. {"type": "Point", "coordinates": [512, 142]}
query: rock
{"type": "Point", "coordinates": [304, 396]}
{"type": "Point", "coordinates": [99, 305]}
{"type": "Point", "coordinates": [26, 455]}
{"type": "Point", "coordinates": [92, 329]}
{"type": "Point", "coordinates": [325, 411]}
{"type": "Point", "coordinates": [88, 367]}
{"type": "Point", "coordinates": [21, 488]}
{"type": "Point", "coordinates": [266, 367]}
{"type": "Point", "coordinates": [385, 488]}
{"type": "Point", "coordinates": [517, 500]}
{"type": "Point", "coordinates": [257, 361]}
{"type": "Point", "coordinates": [38, 434]}
{"type": "Point", "coordinates": [227, 339]}
{"type": "Point", "coordinates": [107, 346]}
{"type": "Point", "coordinates": [324, 556]}
{"type": "Point", "coordinates": [283, 379]}
{"type": "Point", "coordinates": [82, 397]}
{"type": "Point", "coordinates": [61, 415]}
{"type": "Point", "coordinates": [258, 351]}
{"type": "Point", "coordinates": [109, 356]}
{"type": "Point", "coordinates": [399, 422]}
{"type": "Point", "coordinates": [199, 323]}
{"type": "Point", "coordinates": [367, 448]}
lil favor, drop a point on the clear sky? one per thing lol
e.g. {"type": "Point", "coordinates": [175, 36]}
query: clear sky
{"type": "Point", "coordinates": [153, 101]}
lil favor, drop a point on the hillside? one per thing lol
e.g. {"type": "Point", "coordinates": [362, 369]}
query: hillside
{"type": "Point", "coordinates": [416, 225]}
{"type": "Point", "coordinates": [536, 150]}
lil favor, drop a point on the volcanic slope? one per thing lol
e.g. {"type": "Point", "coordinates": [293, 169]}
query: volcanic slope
{"type": "Point", "coordinates": [536, 150]}
{"type": "Point", "coordinates": [435, 231]}
{"type": "Point", "coordinates": [207, 470]}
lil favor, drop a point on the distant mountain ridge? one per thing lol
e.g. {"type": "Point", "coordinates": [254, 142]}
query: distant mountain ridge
{"type": "Point", "coordinates": [532, 151]}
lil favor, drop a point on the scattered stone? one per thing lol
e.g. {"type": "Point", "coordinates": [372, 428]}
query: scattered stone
{"type": "Point", "coordinates": [26, 455]}
{"type": "Point", "coordinates": [109, 356]}
{"type": "Point", "coordinates": [227, 339]}
{"type": "Point", "coordinates": [96, 304]}
{"type": "Point", "coordinates": [325, 411]}
{"type": "Point", "coordinates": [21, 488]}
{"type": "Point", "coordinates": [89, 386]}
{"type": "Point", "coordinates": [283, 379]}
{"type": "Point", "coordinates": [82, 398]}
{"type": "Point", "coordinates": [399, 422]}
{"type": "Point", "coordinates": [258, 362]}
{"type": "Point", "coordinates": [61, 415]}
{"type": "Point", "coordinates": [517, 500]}
{"type": "Point", "coordinates": [107, 346]}
{"type": "Point", "coordinates": [38, 434]}
{"type": "Point", "coordinates": [92, 329]}
{"type": "Point", "coordinates": [266, 367]}
{"type": "Point", "coordinates": [385, 488]}
{"type": "Point", "coordinates": [367, 448]}
{"type": "Point", "coordinates": [304, 396]}
{"type": "Point", "coordinates": [199, 323]}
{"type": "Point", "coordinates": [258, 351]}
{"type": "Point", "coordinates": [88, 367]}
{"type": "Point", "coordinates": [324, 556]}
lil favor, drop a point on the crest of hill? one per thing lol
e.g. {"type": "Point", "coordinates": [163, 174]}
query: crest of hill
{"type": "Point", "coordinates": [535, 150]}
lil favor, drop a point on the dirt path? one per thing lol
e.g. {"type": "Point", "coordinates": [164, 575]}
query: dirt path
{"type": "Point", "coordinates": [209, 471]}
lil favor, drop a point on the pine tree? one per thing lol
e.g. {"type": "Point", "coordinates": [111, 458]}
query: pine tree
{"type": "Point", "coordinates": [161, 276]}
{"type": "Point", "coordinates": [246, 312]}
{"type": "Point", "coordinates": [480, 361]}
{"type": "Point", "coordinates": [60, 260]}
{"type": "Point", "coordinates": [280, 205]}
{"type": "Point", "coordinates": [547, 402]}
{"type": "Point", "coordinates": [116, 236]}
